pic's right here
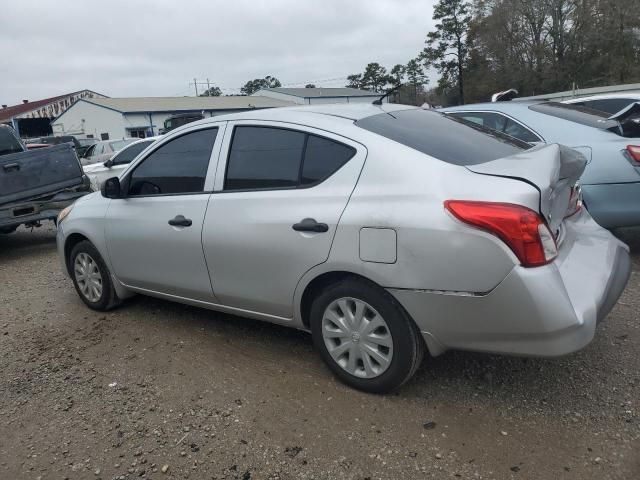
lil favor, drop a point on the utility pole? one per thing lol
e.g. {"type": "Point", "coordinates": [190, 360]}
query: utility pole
{"type": "Point", "coordinates": [196, 83]}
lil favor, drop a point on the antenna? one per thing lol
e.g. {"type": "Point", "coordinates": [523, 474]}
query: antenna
{"type": "Point", "coordinates": [389, 92]}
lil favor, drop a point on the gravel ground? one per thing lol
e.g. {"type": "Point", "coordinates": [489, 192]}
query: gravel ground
{"type": "Point", "coordinates": [161, 390]}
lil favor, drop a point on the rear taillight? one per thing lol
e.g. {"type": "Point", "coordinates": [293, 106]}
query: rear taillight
{"type": "Point", "coordinates": [521, 228]}
{"type": "Point", "coordinates": [634, 153]}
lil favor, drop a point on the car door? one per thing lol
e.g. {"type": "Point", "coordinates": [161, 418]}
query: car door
{"type": "Point", "coordinates": [154, 233]}
{"type": "Point", "coordinates": [280, 191]}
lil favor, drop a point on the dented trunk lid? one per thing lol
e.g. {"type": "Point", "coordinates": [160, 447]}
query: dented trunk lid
{"type": "Point", "coordinates": [552, 169]}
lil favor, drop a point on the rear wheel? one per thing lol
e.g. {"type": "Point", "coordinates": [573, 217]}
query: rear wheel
{"type": "Point", "coordinates": [91, 277]}
{"type": "Point", "coordinates": [365, 337]}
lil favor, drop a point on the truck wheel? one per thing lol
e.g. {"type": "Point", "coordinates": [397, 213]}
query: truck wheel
{"type": "Point", "coordinates": [91, 277]}
{"type": "Point", "coordinates": [365, 336]}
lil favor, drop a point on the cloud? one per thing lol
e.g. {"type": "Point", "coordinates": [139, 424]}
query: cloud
{"type": "Point", "coordinates": [155, 48]}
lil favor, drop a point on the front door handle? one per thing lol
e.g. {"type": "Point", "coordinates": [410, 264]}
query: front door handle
{"type": "Point", "coordinates": [180, 221]}
{"type": "Point", "coordinates": [310, 225]}
{"type": "Point", "coordinates": [11, 166]}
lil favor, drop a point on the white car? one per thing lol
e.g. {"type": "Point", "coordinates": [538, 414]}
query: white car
{"type": "Point", "coordinates": [99, 172]}
{"type": "Point", "coordinates": [612, 103]}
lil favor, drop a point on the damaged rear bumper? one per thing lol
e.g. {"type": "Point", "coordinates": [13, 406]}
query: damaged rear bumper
{"type": "Point", "coordinates": [34, 210]}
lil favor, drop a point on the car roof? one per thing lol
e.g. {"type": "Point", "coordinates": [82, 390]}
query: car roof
{"type": "Point", "coordinates": [309, 114]}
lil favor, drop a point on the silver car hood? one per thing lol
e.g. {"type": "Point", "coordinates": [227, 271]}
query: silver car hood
{"type": "Point", "coordinates": [553, 169]}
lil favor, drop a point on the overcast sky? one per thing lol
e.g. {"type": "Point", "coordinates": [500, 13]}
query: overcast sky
{"type": "Point", "coordinates": [155, 48]}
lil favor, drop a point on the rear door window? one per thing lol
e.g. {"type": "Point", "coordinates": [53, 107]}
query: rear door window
{"type": "Point", "coordinates": [322, 158]}
{"type": "Point", "coordinates": [177, 167]}
{"type": "Point", "coordinates": [263, 158]}
{"type": "Point", "coordinates": [444, 137]}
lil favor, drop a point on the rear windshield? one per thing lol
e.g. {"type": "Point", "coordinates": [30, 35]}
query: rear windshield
{"type": "Point", "coordinates": [449, 139]}
{"type": "Point", "coordinates": [8, 142]}
{"type": "Point", "coordinates": [575, 113]}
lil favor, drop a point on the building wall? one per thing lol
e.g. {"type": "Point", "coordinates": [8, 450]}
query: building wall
{"type": "Point", "coordinates": [84, 119]}
{"type": "Point", "coordinates": [315, 100]}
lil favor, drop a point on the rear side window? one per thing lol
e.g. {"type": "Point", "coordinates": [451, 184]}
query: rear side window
{"type": "Point", "coordinates": [177, 167]}
{"type": "Point", "coordinates": [129, 153]}
{"type": "Point", "coordinates": [609, 105]}
{"type": "Point", "coordinates": [275, 158]}
{"type": "Point", "coordinates": [499, 122]}
{"type": "Point", "coordinates": [574, 113]}
{"type": "Point", "coordinates": [443, 137]}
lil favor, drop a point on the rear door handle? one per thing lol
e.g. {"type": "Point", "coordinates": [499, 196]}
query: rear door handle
{"type": "Point", "coordinates": [180, 221]}
{"type": "Point", "coordinates": [310, 225]}
{"type": "Point", "coordinates": [11, 166]}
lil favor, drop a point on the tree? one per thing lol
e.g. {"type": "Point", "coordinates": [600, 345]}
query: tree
{"type": "Point", "coordinates": [309, 85]}
{"type": "Point", "coordinates": [397, 74]}
{"type": "Point", "coordinates": [256, 84]}
{"type": "Point", "coordinates": [447, 47]}
{"type": "Point", "coordinates": [416, 77]}
{"type": "Point", "coordinates": [375, 77]}
{"type": "Point", "coordinates": [212, 92]}
{"type": "Point", "coordinates": [354, 81]}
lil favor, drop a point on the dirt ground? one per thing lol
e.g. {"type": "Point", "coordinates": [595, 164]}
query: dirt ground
{"type": "Point", "coordinates": [161, 390]}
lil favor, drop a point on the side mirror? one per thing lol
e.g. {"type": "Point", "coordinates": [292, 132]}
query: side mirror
{"type": "Point", "coordinates": [111, 188]}
{"type": "Point", "coordinates": [108, 163]}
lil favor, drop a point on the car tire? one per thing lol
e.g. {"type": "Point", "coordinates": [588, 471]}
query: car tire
{"type": "Point", "coordinates": [91, 277]}
{"type": "Point", "coordinates": [404, 347]}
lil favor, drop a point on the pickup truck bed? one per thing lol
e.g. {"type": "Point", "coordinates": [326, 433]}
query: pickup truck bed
{"type": "Point", "coordinates": [35, 185]}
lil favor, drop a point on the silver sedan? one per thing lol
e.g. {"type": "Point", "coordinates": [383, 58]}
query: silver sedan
{"type": "Point", "coordinates": [386, 232]}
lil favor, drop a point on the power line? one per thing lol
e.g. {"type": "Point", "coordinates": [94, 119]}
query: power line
{"type": "Point", "coordinates": [207, 83]}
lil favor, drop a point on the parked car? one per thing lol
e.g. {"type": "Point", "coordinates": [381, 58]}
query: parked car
{"type": "Point", "coordinates": [99, 172]}
{"type": "Point", "coordinates": [178, 120]}
{"type": "Point", "coordinates": [611, 181]}
{"type": "Point", "coordinates": [36, 185]}
{"type": "Point", "coordinates": [85, 143]}
{"type": "Point", "coordinates": [384, 231]}
{"type": "Point", "coordinates": [104, 150]}
{"type": "Point", "coordinates": [611, 103]}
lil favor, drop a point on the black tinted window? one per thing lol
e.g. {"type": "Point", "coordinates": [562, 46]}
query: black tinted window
{"type": "Point", "coordinates": [577, 114]}
{"type": "Point", "coordinates": [8, 142]}
{"type": "Point", "coordinates": [263, 157]}
{"type": "Point", "coordinates": [445, 138]}
{"type": "Point", "coordinates": [322, 158]}
{"type": "Point", "coordinates": [609, 105]}
{"type": "Point", "coordinates": [179, 166]}
{"type": "Point", "coordinates": [129, 153]}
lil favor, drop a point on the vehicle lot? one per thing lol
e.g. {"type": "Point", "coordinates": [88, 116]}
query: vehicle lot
{"type": "Point", "coordinates": [207, 395]}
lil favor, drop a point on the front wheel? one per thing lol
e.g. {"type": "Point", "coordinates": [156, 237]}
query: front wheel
{"type": "Point", "coordinates": [91, 277]}
{"type": "Point", "coordinates": [365, 337]}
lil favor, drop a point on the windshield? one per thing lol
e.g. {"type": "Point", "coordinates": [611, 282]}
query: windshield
{"type": "Point", "coordinates": [446, 138]}
{"type": "Point", "coordinates": [120, 144]}
{"type": "Point", "coordinates": [131, 152]}
{"type": "Point", "coordinates": [8, 142]}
